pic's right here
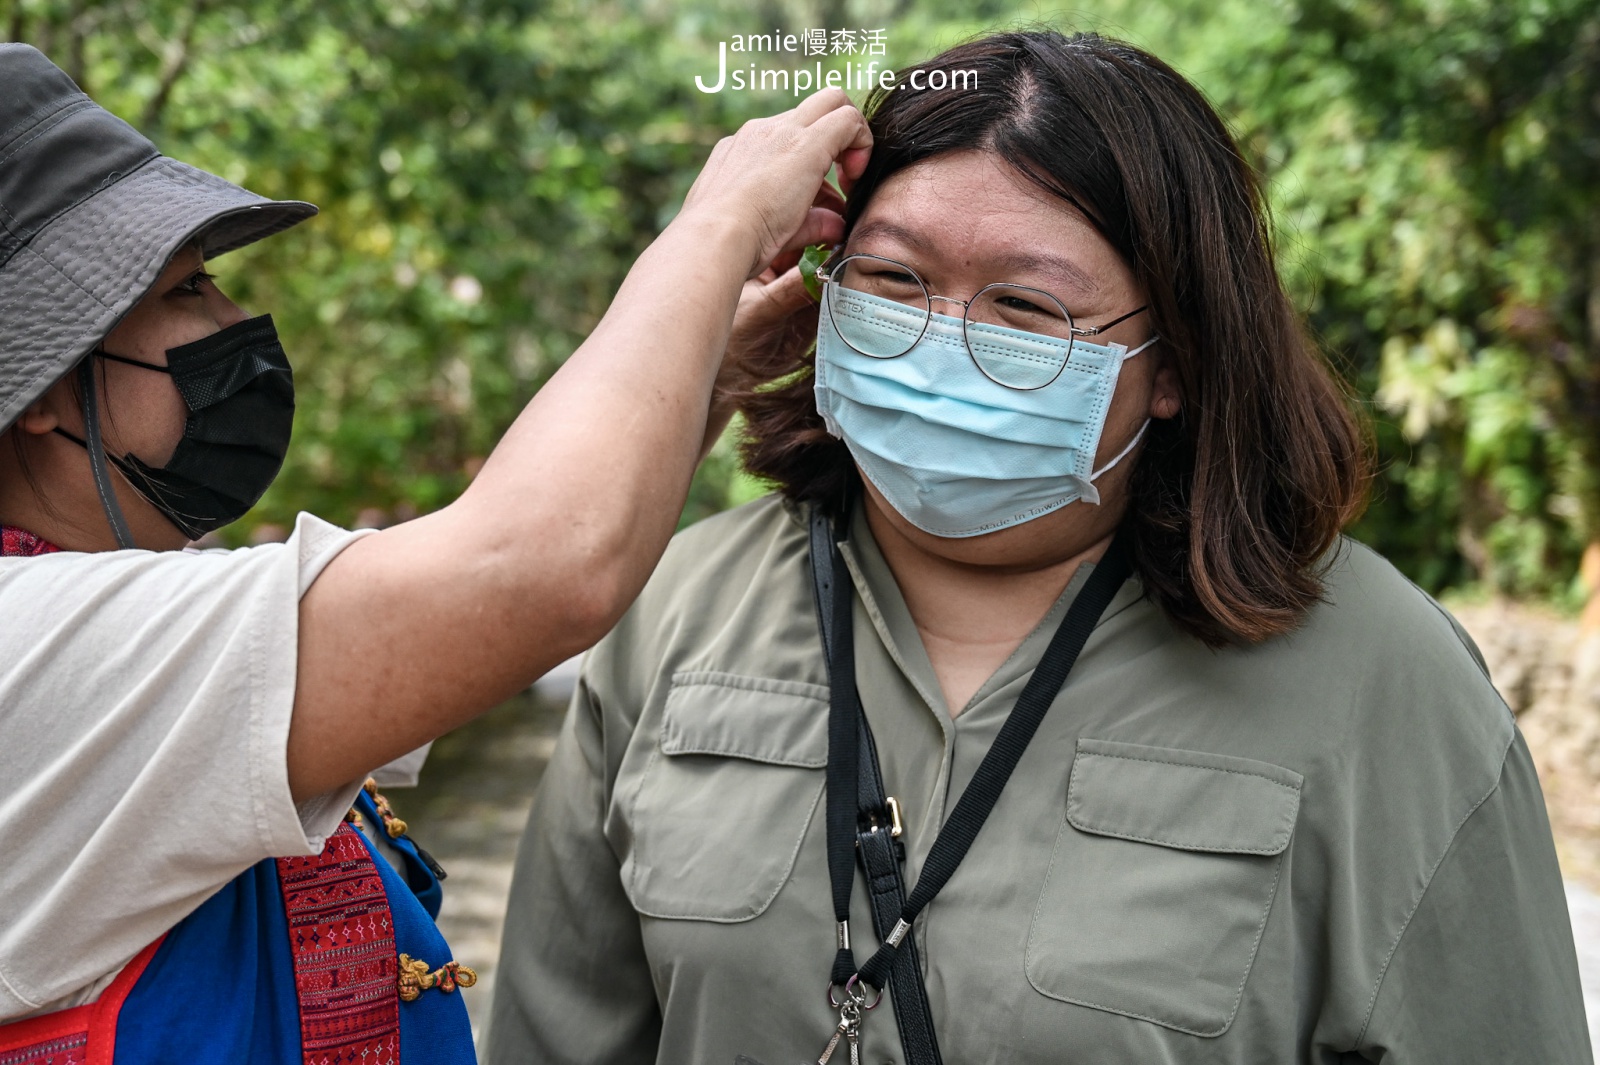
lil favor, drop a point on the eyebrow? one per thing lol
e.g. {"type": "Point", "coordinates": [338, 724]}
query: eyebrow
{"type": "Point", "coordinates": [1065, 269]}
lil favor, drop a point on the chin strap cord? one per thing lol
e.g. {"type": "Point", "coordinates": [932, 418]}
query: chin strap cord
{"type": "Point", "coordinates": [97, 456]}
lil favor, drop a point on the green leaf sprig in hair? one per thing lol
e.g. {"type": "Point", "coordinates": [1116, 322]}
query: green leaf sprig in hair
{"type": "Point", "coordinates": [814, 257]}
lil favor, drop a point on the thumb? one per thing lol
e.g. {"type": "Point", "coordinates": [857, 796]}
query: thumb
{"type": "Point", "coordinates": [787, 293]}
{"type": "Point", "coordinates": [820, 226]}
{"type": "Point", "coordinates": [764, 308]}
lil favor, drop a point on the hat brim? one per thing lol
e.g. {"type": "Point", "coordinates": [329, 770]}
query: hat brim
{"type": "Point", "coordinates": [80, 275]}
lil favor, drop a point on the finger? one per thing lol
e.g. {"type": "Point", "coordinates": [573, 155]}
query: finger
{"type": "Point", "coordinates": [843, 128]}
{"type": "Point", "coordinates": [851, 165]}
{"type": "Point", "coordinates": [821, 226]}
{"type": "Point", "coordinates": [843, 135]}
{"type": "Point", "coordinates": [762, 307]}
{"type": "Point", "coordinates": [784, 261]}
{"type": "Point", "coordinates": [785, 295]}
{"type": "Point", "coordinates": [820, 103]}
{"type": "Point", "coordinates": [828, 198]}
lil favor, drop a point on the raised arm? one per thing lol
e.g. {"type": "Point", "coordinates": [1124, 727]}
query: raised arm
{"type": "Point", "coordinates": [417, 629]}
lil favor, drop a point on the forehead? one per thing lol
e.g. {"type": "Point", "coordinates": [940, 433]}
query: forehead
{"type": "Point", "coordinates": [973, 209]}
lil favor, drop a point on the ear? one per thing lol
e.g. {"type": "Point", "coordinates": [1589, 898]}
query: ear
{"type": "Point", "coordinates": [1165, 401]}
{"type": "Point", "coordinates": [44, 413]}
{"type": "Point", "coordinates": [38, 419]}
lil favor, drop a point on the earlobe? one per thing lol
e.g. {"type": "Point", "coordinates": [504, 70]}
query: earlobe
{"type": "Point", "coordinates": [1164, 400]}
{"type": "Point", "coordinates": [38, 419]}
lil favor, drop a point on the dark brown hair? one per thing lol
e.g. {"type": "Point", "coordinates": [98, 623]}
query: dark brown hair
{"type": "Point", "coordinates": [1234, 502]}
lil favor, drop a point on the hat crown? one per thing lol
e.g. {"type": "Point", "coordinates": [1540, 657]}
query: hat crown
{"type": "Point", "coordinates": [57, 146]}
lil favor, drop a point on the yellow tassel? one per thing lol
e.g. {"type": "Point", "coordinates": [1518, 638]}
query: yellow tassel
{"type": "Point", "coordinates": [415, 978]}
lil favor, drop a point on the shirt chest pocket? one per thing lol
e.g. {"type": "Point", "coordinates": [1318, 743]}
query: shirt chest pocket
{"type": "Point", "coordinates": [725, 802]}
{"type": "Point", "coordinates": [1162, 879]}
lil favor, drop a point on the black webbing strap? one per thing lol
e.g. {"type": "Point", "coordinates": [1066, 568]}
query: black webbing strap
{"type": "Point", "coordinates": [843, 738]}
{"type": "Point", "coordinates": [880, 855]}
{"type": "Point", "coordinates": [879, 852]}
{"type": "Point", "coordinates": [977, 801]}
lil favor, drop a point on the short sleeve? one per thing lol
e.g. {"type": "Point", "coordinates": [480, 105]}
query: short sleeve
{"type": "Point", "coordinates": [145, 700]}
{"type": "Point", "coordinates": [1485, 969]}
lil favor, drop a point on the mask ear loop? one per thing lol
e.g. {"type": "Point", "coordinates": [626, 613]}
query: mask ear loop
{"type": "Point", "coordinates": [1095, 476]}
{"type": "Point", "coordinates": [1130, 354]}
{"type": "Point", "coordinates": [97, 456]}
{"type": "Point", "coordinates": [1136, 436]}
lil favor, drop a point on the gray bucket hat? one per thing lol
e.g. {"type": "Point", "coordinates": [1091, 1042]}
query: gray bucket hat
{"type": "Point", "coordinates": [90, 215]}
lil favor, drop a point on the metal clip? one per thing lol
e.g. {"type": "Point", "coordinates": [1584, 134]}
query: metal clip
{"type": "Point", "coordinates": [849, 1025]}
{"type": "Point", "coordinates": [896, 826]}
{"type": "Point", "coordinates": [851, 1007]}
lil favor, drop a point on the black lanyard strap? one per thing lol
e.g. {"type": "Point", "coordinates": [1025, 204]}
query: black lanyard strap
{"type": "Point", "coordinates": [846, 720]}
{"type": "Point", "coordinates": [844, 743]}
{"type": "Point", "coordinates": [879, 851]}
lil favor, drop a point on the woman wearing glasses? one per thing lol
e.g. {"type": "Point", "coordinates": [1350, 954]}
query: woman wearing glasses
{"type": "Point", "coordinates": [1043, 715]}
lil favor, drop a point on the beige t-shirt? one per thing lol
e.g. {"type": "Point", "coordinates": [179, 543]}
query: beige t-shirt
{"type": "Point", "coordinates": [144, 716]}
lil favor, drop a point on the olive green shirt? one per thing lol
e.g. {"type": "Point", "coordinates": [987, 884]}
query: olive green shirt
{"type": "Point", "coordinates": [1328, 847]}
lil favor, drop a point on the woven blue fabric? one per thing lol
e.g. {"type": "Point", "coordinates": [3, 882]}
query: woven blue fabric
{"type": "Point", "coordinates": [221, 987]}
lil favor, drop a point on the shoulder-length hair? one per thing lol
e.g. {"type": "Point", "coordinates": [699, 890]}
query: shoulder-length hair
{"type": "Point", "coordinates": [1234, 502]}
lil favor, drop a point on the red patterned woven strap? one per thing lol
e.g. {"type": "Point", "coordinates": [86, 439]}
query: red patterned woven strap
{"type": "Point", "coordinates": [83, 1035]}
{"type": "Point", "coordinates": [341, 936]}
{"type": "Point", "coordinates": [14, 541]}
{"type": "Point", "coordinates": [63, 1039]}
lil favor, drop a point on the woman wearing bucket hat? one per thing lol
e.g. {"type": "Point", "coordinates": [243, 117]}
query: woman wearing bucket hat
{"type": "Point", "coordinates": [183, 734]}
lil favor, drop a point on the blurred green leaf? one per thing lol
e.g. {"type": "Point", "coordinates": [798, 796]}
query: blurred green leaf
{"type": "Point", "coordinates": [489, 169]}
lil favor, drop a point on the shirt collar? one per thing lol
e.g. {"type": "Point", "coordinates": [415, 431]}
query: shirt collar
{"type": "Point", "coordinates": [880, 594]}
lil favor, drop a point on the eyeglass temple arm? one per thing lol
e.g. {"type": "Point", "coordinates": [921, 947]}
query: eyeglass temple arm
{"type": "Point", "coordinates": [1098, 329]}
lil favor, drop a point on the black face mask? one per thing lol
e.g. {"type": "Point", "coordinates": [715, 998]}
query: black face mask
{"type": "Point", "coordinates": [240, 393]}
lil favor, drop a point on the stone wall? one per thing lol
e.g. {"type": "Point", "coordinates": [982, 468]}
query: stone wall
{"type": "Point", "coordinates": [1548, 669]}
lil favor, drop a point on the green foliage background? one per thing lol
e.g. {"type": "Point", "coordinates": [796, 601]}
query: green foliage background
{"type": "Point", "coordinates": [488, 169]}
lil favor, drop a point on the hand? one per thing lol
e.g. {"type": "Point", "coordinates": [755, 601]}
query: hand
{"type": "Point", "coordinates": [776, 320]}
{"type": "Point", "coordinates": [768, 179]}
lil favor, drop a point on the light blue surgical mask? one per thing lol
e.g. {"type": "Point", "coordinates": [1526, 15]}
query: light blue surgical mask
{"type": "Point", "coordinates": [956, 453]}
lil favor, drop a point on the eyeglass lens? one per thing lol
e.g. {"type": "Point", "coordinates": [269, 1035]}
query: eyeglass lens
{"type": "Point", "coordinates": [1017, 336]}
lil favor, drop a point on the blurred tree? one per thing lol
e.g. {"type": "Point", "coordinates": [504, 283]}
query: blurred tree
{"type": "Point", "coordinates": [1478, 279]}
{"type": "Point", "coordinates": [489, 169]}
{"type": "Point", "coordinates": [1433, 167]}
{"type": "Point", "coordinates": [1496, 106]}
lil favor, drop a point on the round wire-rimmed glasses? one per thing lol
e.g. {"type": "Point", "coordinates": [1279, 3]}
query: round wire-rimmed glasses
{"type": "Point", "coordinates": [881, 308]}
